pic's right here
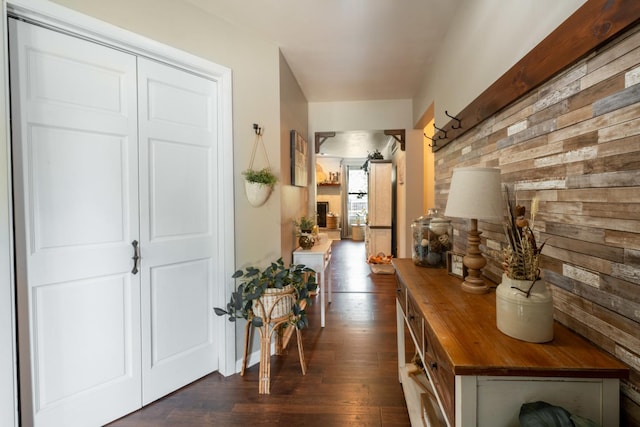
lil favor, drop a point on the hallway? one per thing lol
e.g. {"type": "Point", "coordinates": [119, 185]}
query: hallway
{"type": "Point", "coordinates": [352, 371]}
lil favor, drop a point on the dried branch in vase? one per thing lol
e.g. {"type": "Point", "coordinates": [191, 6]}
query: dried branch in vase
{"type": "Point", "coordinates": [522, 255]}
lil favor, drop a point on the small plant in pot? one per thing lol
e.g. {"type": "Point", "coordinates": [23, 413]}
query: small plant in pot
{"type": "Point", "coordinates": [258, 185]}
{"type": "Point", "coordinates": [305, 226]}
{"type": "Point", "coordinates": [260, 288]}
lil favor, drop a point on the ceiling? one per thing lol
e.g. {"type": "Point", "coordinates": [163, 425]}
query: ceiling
{"type": "Point", "coordinates": [347, 50]}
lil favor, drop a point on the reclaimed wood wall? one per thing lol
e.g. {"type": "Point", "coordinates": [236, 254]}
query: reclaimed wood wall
{"type": "Point", "coordinates": [573, 142]}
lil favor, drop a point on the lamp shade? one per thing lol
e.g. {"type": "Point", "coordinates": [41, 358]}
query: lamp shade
{"type": "Point", "coordinates": [475, 193]}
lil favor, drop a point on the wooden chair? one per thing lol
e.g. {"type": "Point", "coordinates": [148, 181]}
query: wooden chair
{"type": "Point", "coordinates": [277, 317]}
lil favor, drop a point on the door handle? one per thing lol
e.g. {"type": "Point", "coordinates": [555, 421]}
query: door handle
{"type": "Point", "coordinates": [136, 256]}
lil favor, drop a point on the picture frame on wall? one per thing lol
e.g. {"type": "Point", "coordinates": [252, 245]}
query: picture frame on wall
{"type": "Point", "coordinates": [299, 159]}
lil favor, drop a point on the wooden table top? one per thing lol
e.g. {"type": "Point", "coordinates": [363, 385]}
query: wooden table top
{"type": "Point", "coordinates": [465, 325]}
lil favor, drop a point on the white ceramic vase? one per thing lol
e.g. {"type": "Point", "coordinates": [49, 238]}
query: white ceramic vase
{"type": "Point", "coordinates": [525, 318]}
{"type": "Point", "coordinates": [257, 193]}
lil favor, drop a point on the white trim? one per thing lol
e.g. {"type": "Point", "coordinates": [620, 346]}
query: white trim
{"type": "Point", "coordinates": [63, 19]}
{"type": "Point", "coordinates": [8, 356]}
{"type": "Point", "coordinates": [67, 20]}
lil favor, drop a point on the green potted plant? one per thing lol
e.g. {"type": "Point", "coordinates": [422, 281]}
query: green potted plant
{"type": "Point", "coordinates": [524, 303]}
{"type": "Point", "coordinates": [258, 185]}
{"type": "Point", "coordinates": [305, 226]}
{"type": "Point", "coordinates": [259, 297]}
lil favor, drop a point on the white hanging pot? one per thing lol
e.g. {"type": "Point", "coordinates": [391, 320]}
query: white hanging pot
{"type": "Point", "coordinates": [527, 318]}
{"type": "Point", "coordinates": [257, 193]}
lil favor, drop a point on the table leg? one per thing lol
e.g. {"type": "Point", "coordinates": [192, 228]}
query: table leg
{"type": "Point", "coordinates": [321, 289]}
{"type": "Point", "coordinates": [328, 270]}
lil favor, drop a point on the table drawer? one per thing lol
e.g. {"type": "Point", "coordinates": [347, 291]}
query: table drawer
{"type": "Point", "coordinates": [401, 293]}
{"type": "Point", "coordinates": [441, 373]}
{"type": "Point", "coordinates": [416, 323]}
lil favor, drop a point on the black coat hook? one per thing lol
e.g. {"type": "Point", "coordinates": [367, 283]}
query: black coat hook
{"type": "Point", "coordinates": [441, 130]}
{"type": "Point", "coordinates": [454, 118]}
{"type": "Point", "coordinates": [257, 129]}
{"type": "Point", "coordinates": [435, 142]}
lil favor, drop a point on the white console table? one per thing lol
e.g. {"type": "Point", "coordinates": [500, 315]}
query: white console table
{"type": "Point", "coordinates": [318, 259]}
{"type": "Point", "coordinates": [481, 377]}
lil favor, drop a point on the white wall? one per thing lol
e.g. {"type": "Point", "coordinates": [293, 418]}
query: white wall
{"type": "Point", "coordinates": [359, 115]}
{"type": "Point", "coordinates": [486, 39]}
{"type": "Point", "coordinates": [295, 200]}
{"type": "Point", "coordinates": [414, 190]}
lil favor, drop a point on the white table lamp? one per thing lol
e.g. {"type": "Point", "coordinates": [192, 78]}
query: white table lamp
{"type": "Point", "coordinates": [475, 193]}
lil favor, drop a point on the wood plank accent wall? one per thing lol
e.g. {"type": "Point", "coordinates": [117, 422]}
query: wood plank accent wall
{"type": "Point", "coordinates": [590, 26]}
{"type": "Point", "coordinates": [575, 143]}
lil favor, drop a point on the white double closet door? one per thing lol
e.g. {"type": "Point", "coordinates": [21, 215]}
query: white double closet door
{"type": "Point", "coordinates": [114, 158]}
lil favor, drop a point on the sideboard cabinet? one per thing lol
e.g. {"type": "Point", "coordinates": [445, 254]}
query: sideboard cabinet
{"type": "Point", "coordinates": [476, 376]}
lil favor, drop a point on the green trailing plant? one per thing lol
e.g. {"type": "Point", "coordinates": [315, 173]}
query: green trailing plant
{"type": "Point", "coordinates": [376, 155]}
{"type": "Point", "coordinates": [522, 254]}
{"type": "Point", "coordinates": [254, 284]}
{"type": "Point", "coordinates": [262, 176]}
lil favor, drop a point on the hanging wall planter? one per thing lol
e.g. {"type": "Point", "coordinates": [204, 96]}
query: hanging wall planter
{"type": "Point", "coordinates": [258, 184]}
{"type": "Point", "coordinates": [257, 193]}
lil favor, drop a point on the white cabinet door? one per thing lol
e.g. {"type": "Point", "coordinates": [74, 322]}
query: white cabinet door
{"type": "Point", "coordinates": [178, 149]}
{"type": "Point", "coordinates": [76, 214]}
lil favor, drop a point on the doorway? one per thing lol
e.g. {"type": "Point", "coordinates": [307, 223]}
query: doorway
{"type": "Point", "coordinates": [356, 202]}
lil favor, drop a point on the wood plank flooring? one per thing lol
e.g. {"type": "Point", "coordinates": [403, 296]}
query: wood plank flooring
{"type": "Point", "coordinates": [352, 374]}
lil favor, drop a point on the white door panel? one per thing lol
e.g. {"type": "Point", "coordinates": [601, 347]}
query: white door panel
{"type": "Point", "coordinates": [69, 211]}
{"type": "Point", "coordinates": [75, 157]}
{"type": "Point", "coordinates": [180, 196]}
{"type": "Point", "coordinates": [178, 138]}
{"type": "Point", "coordinates": [174, 287]}
{"type": "Point", "coordinates": [70, 350]}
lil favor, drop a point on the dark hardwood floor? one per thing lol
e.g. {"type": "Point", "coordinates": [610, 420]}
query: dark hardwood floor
{"type": "Point", "coordinates": [352, 374]}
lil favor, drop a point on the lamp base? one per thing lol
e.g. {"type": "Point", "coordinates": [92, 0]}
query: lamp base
{"type": "Point", "coordinates": [474, 287]}
{"type": "Point", "coordinates": [474, 261]}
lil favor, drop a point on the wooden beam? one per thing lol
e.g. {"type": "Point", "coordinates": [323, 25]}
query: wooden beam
{"type": "Point", "coordinates": [321, 137]}
{"type": "Point", "coordinates": [594, 23]}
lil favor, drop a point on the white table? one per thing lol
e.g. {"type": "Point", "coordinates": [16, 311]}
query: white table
{"type": "Point", "coordinates": [317, 258]}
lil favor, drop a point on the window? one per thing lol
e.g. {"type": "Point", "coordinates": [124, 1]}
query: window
{"type": "Point", "coordinates": [358, 190]}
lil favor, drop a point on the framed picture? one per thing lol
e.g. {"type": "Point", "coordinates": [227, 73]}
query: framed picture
{"type": "Point", "coordinates": [299, 159]}
{"type": "Point", "coordinates": [455, 267]}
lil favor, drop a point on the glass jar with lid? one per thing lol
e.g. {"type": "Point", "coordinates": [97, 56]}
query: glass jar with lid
{"type": "Point", "coordinates": [432, 238]}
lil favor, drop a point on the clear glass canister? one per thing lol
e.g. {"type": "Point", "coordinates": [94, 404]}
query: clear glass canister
{"type": "Point", "coordinates": [432, 238]}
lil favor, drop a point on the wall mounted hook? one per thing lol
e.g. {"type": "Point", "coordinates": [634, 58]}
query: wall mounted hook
{"type": "Point", "coordinates": [441, 130]}
{"type": "Point", "coordinates": [257, 129]}
{"type": "Point", "coordinates": [435, 142]}
{"type": "Point", "coordinates": [454, 118]}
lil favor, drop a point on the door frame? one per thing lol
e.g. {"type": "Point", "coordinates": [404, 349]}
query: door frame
{"type": "Point", "coordinates": [8, 338]}
{"type": "Point", "coordinates": [54, 15]}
